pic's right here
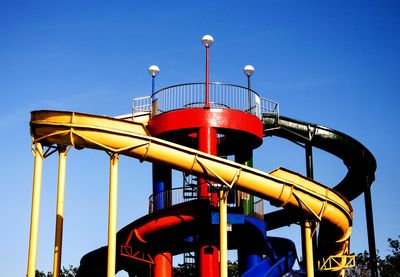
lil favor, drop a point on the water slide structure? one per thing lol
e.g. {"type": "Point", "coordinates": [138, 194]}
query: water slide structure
{"type": "Point", "coordinates": [208, 131]}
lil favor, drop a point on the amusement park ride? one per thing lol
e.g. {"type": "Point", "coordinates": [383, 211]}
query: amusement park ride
{"type": "Point", "coordinates": [193, 128]}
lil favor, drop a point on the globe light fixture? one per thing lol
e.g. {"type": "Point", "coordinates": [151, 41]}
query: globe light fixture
{"type": "Point", "coordinates": [207, 40]}
{"type": "Point", "coordinates": [154, 70]}
{"type": "Point", "coordinates": [248, 70]}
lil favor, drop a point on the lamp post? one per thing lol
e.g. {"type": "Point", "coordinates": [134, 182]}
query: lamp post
{"type": "Point", "coordinates": [207, 41]}
{"type": "Point", "coordinates": [153, 71]}
{"type": "Point", "coordinates": [248, 71]}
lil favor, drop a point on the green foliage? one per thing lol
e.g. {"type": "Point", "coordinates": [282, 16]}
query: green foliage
{"type": "Point", "coordinates": [42, 274]}
{"type": "Point", "coordinates": [233, 269]}
{"type": "Point", "coordinates": [184, 270]}
{"type": "Point", "coordinates": [65, 272]}
{"type": "Point", "coordinates": [388, 266]}
{"type": "Point", "coordinates": [362, 266]}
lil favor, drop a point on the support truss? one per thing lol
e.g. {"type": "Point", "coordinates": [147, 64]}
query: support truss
{"type": "Point", "coordinates": [337, 262]}
{"type": "Point", "coordinates": [127, 251]}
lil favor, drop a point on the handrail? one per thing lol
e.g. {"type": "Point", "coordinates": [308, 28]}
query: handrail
{"type": "Point", "coordinates": [174, 196]}
{"type": "Point", "coordinates": [192, 95]}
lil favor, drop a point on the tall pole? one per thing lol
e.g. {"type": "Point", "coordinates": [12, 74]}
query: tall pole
{"type": "Point", "coordinates": [248, 71]}
{"type": "Point", "coordinates": [207, 41]}
{"type": "Point", "coordinates": [308, 225]}
{"type": "Point", "coordinates": [62, 152]}
{"type": "Point", "coordinates": [310, 174]}
{"type": "Point", "coordinates": [309, 161]}
{"type": "Point", "coordinates": [112, 215]}
{"type": "Point", "coordinates": [248, 92]}
{"type": "Point", "coordinates": [309, 249]}
{"type": "Point", "coordinates": [207, 104]}
{"type": "Point", "coordinates": [153, 71]}
{"type": "Point", "coordinates": [35, 212]}
{"type": "Point", "coordinates": [370, 228]}
{"type": "Point", "coordinates": [223, 233]}
{"type": "Point", "coordinates": [153, 77]}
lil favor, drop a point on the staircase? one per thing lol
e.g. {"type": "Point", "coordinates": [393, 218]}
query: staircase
{"type": "Point", "coordinates": [189, 187]}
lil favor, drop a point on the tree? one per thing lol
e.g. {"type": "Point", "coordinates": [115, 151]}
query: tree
{"type": "Point", "coordinates": [65, 272]}
{"type": "Point", "coordinates": [388, 267]}
{"type": "Point", "coordinates": [42, 274]}
{"type": "Point", "coordinates": [233, 269]}
{"type": "Point", "coordinates": [184, 270]}
{"type": "Point", "coordinates": [362, 266]}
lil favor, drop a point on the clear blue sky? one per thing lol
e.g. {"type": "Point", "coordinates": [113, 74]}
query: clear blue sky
{"type": "Point", "coordinates": [336, 63]}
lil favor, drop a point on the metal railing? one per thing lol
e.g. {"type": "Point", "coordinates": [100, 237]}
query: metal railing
{"type": "Point", "coordinates": [168, 198]}
{"type": "Point", "coordinates": [192, 95]}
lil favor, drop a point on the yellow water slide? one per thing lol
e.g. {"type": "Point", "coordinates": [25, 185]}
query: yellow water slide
{"type": "Point", "coordinates": [281, 187]}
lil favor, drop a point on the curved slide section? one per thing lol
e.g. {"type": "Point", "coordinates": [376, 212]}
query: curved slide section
{"type": "Point", "coordinates": [357, 158]}
{"type": "Point", "coordinates": [139, 235]}
{"type": "Point", "coordinates": [283, 260]}
{"type": "Point", "coordinates": [147, 234]}
{"type": "Point", "coordinates": [283, 188]}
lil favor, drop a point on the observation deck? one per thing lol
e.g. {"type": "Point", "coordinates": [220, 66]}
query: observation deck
{"type": "Point", "coordinates": [175, 113]}
{"type": "Point", "coordinates": [191, 95]}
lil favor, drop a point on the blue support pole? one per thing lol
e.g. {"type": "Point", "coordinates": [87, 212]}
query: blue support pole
{"type": "Point", "coordinates": [162, 184]}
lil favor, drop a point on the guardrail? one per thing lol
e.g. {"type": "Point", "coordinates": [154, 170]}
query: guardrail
{"type": "Point", "coordinates": [192, 95]}
{"type": "Point", "coordinates": [168, 198]}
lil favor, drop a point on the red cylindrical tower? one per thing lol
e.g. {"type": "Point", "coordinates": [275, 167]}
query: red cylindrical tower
{"type": "Point", "coordinates": [216, 131]}
{"type": "Point", "coordinates": [222, 121]}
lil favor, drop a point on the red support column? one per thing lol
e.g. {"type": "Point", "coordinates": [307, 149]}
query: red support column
{"type": "Point", "coordinates": [207, 142]}
{"type": "Point", "coordinates": [162, 265]}
{"type": "Point", "coordinates": [209, 261]}
{"type": "Point", "coordinates": [208, 256]}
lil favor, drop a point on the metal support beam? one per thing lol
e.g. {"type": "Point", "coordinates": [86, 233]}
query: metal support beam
{"type": "Point", "coordinates": [309, 161]}
{"type": "Point", "coordinates": [112, 215]}
{"type": "Point", "coordinates": [223, 233]}
{"type": "Point", "coordinates": [310, 174]}
{"type": "Point", "coordinates": [370, 228]}
{"type": "Point", "coordinates": [35, 212]}
{"type": "Point", "coordinates": [62, 152]}
{"type": "Point", "coordinates": [309, 249]}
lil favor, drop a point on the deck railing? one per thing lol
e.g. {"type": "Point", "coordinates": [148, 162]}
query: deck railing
{"type": "Point", "coordinates": [192, 95]}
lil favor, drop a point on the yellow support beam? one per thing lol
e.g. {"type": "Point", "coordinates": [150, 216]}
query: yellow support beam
{"type": "Point", "coordinates": [62, 153]}
{"type": "Point", "coordinates": [112, 215]}
{"type": "Point", "coordinates": [223, 233]}
{"type": "Point", "coordinates": [35, 212]}
{"type": "Point", "coordinates": [309, 248]}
